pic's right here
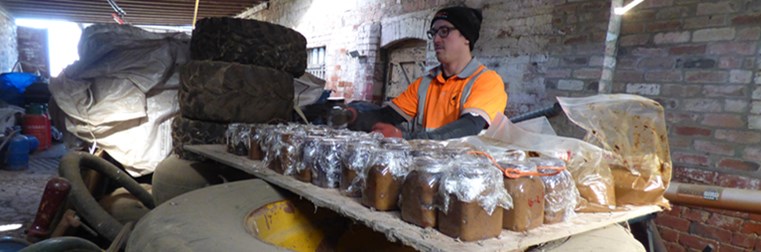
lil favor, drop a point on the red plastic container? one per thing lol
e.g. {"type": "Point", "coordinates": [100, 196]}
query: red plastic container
{"type": "Point", "coordinates": [38, 125]}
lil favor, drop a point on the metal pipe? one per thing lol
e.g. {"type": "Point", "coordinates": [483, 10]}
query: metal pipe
{"type": "Point", "coordinates": [715, 197]}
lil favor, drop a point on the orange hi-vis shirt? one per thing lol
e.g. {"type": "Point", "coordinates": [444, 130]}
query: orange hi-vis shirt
{"type": "Point", "coordinates": [443, 105]}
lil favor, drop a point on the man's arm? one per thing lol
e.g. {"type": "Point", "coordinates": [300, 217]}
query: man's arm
{"type": "Point", "coordinates": [364, 121]}
{"type": "Point", "coordinates": [467, 125]}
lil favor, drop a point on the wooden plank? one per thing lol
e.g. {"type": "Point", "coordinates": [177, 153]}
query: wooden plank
{"type": "Point", "coordinates": [395, 229]}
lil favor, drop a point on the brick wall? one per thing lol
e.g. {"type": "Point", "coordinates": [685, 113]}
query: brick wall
{"type": "Point", "coordinates": [700, 59]}
{"type": "Point", "coordinates": [8, 51]}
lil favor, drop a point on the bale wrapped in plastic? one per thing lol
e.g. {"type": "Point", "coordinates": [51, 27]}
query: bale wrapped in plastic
{"type": "Point", "coordinates": [470, 195]}
{"type": "Point", "coordinates": [527, 192]}
{"type": "Point", "coordinates": [632, 129]}
{"type": "Point", "coordinates": [384, 176]}
{"type": "Point", "coordinates": [356, 159]}
{"type": "Point", "coordinates": [326, 171]}
{"type": "Point", "coordinates": [560, 192]}
{"type": "Point", "coordinates": [420, 189]}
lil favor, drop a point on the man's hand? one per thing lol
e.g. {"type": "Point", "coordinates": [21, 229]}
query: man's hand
{"type": "Point", "coordinates": [387, 130]}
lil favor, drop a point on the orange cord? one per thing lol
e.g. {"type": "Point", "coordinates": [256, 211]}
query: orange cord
{"type": "Point", "coordinates": [512, 172]}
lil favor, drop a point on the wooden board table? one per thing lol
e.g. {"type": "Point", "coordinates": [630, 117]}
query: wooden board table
{"type": "Point", "coordinates": [396, 229]}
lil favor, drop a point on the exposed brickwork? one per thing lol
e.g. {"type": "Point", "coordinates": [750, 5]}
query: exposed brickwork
{"type": "Point", "coordinates": [8, 45]}
{"type": "Point", "coordinates": [700, 59]}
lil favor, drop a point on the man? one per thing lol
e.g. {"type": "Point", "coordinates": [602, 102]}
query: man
{"type": "Point", "coordinates": [458, 98]}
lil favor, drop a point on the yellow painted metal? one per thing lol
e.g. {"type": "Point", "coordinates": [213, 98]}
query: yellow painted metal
{"type": "Point", "coordinates": [283, 224]}
{"type": "Point", "coordinates": [298, 226]}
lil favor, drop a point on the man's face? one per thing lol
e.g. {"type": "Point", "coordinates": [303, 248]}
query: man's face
{"type": "Point", "coordinates": [448, 42]}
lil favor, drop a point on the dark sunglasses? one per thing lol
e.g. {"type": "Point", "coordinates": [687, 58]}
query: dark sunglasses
{"type": "Point", "coordinates": [443, 31]}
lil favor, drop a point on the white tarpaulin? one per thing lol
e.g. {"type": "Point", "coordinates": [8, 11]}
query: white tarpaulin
{"type": "Point", "coordinates": [122, 92]}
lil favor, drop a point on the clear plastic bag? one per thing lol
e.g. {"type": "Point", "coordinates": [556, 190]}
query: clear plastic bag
{"type": "Point", "coordinates": [384, 176]}
{"type": "Point", "coordinates": [560, 193]}
{"type": "Point", "coordinates": [632, 129]}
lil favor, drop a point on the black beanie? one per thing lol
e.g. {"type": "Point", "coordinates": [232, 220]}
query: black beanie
{"type": "Point", "coordinates": [466, 20]}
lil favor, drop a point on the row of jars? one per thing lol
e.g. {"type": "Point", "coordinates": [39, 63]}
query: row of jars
{"type": "Point", "coordinates": [433, 184]}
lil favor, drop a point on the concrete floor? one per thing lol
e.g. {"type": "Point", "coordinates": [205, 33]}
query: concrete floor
{"type": "Point", "coordinates": [21, 191]}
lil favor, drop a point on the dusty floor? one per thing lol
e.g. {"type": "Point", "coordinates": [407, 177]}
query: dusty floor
{"type": "Point", "coordinates": [20, 191]}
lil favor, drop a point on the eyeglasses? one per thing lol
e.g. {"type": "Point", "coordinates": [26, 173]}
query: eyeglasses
{"type": "Point", "coordinates": [443, 31]}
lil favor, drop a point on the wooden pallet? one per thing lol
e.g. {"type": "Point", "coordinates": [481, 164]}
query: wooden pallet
{"type": "Point", "coordinates": [421, 239]}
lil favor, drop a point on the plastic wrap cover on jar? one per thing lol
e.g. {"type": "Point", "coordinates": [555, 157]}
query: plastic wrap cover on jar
{"type": "Point", "coordinates": [425, 147]}
{"type": "Point", "coordinates": [238, 138]}
{"type": "Point", "coordinates": [472, 197]}
{"type": "Point", "coordinates": [510, 156]}
{"type": "Point", "coordinates": [528, 196]}
{"type": "Point", "coordinates": [475, 179]}
{"type": "Point", "coordinates": [308, 158]}
{"type": "Point", "coordinates": [384, 176]}
{"type": "Point", "coordinates": [290, 150]}
{"type": "Point", "coordinates": [326, 171]}
{"type": "Point", "coordinates": [560, 193]}
{"type": "Point", "coordinates": [633, 130]}
{"type": "Point", "coordinates": [393, 140]}
{"type": "Point", "coordinates": [356, 159]}
{"type": "Point", "coordinates": [273, 158]}
{"type": "Point", "coordinates": [269, 144]}
{"type": "Point", "coordinates": [420, 189]}
{"type": "Point", "coordinates": [257, 135]}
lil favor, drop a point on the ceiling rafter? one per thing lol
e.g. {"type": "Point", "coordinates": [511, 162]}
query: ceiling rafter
{"type": "Point", "coordinates": [139, 12]}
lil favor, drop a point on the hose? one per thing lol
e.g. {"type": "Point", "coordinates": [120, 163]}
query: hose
{"type": "Point", "coordinates": [548, 112]}
{"type": "Point", "coordinates": [63, 244]}
{"type": "Point", "coordinates": [86, 206]}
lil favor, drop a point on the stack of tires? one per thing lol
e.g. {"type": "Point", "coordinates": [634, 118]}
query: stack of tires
{"type": "Point", "coordinates": [241, 71]}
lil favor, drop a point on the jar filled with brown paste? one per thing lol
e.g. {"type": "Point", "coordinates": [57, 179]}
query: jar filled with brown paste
{"type": "Point", "coordinates": [356, 160]}
{"type": "Point", "coordinates": [384, 177]}
{"type": "Point", "coordinates": [528, 198]}
{"type": "Point", "coordinates": [308, 158]}
{"type": "Point", "coordinates": [290, 151]}
{"type": "Point", "coordinates": [238, 137]}
{"type": "Point", "coordinates": [420, 189]}
{"type": "Point", "coordinates": [472, 197]}
{"type": "Point", "coordinates": [326, 171]}
{"type": "Point", "coordinates": [560, 193]}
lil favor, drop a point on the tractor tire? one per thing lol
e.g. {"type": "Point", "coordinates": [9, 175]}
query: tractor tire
{"type": "Point", "coordinates": [209, 219]}
{"type": "Point", "coordinates": [187, 132]}
{"type": "Point", "coordinates": [250, 42]}
{"type": "Point", "coordinates": [229, 92]}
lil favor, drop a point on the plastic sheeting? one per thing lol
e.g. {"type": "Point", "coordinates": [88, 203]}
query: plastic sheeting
{"type": "Point", "coordinates": [122, 92]}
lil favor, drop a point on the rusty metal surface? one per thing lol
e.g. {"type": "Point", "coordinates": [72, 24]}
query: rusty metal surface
{"type": "Point", "coordinates": [139, 12]}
